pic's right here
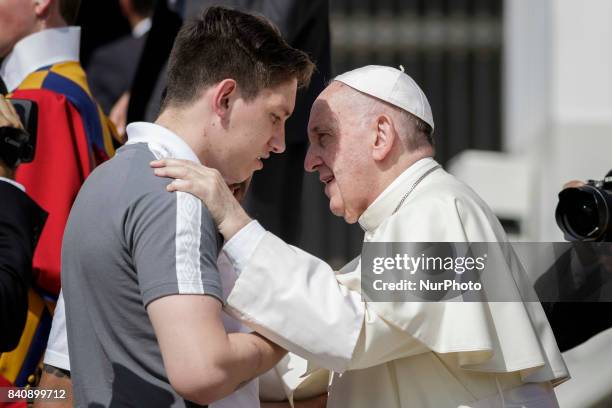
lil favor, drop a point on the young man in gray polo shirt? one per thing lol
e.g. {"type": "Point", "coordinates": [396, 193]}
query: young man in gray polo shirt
{"type": "Point", "coordinates": [142, 290]}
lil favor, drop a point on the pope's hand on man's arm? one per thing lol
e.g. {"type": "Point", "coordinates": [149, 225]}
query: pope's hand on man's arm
{"type": "Point", "coordinates": [361, 339]}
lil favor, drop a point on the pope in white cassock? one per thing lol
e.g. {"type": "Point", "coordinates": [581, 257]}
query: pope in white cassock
{"type": "Point", "coordinates": [370, 141]}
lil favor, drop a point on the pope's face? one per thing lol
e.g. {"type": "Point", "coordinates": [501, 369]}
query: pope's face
{"type": "Point", "coordinates": [17, 20]}
{"type": "Point", "coordinates": [339, 152]}
{"type": "Point", "coordinates": [256, 129]}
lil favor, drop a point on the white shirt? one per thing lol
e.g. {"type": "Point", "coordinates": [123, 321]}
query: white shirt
{"type": "Point", "coordinates": [13, 182]}
{"type": "Point", "coordinates": [163, 143]}
{"type": "Point", "coordinates": [39, 50]}
{"type": "Point", "coordinates": [141, 28]}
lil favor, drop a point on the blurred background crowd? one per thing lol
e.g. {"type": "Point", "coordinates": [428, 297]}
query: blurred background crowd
{"type": "Point", "coordinates": [523, 83]}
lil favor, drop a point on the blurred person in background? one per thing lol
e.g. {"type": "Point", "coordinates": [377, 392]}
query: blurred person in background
{"type": "Point", "coordinates": [112, 67]}
{"type": "Point", "coordinates": [21, 221]}
{"type": "Point", "coordinates": [40, 52]}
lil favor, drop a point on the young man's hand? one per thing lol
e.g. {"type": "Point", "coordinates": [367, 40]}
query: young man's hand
{"type": "Point", "coordinates": [208, 185]}
{"type": "Point", "coordinates": [316, 402]}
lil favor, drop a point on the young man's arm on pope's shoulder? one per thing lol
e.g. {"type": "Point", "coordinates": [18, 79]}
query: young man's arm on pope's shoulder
{"type": "Point", "coordinates": [202, 361]}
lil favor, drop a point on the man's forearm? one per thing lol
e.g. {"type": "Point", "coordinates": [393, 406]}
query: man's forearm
{"type": "Point", "coordinates": [253, 355]}
{"type": "Point", "coordinates": [235, 361]}
{"type": "Point", "coordinates": [204, 363]}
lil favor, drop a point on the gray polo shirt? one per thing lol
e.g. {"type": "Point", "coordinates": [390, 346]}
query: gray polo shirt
{"type": "Point", "coordinates": [128, 242]}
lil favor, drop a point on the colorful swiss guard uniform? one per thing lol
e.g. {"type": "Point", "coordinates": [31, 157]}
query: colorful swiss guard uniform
{"type": "Point", "coordinates": [74, 136]}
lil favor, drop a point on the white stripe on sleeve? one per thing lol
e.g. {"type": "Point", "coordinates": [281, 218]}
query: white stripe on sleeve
{"type": "Point", "coordinates": [188, 236]}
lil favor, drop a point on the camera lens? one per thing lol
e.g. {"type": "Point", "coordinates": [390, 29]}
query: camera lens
{"type": "Point", "coordinates": [582, 213]}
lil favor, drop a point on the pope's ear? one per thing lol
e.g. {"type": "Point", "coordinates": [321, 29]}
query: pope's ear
{"type": "Point", "coordinates": [223, 96]}
{"type": "Point", "coordinates": [385, 137]}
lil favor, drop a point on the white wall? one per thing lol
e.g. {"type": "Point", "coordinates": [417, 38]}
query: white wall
{"type": "Point", "coordinates": [558, 95]}
{"type": "Point", "coordinates": [527, 60]}
{"type": "Point", "coordinates": [558, 113]}
{"type": "Point", "coordinates": [582, 61]}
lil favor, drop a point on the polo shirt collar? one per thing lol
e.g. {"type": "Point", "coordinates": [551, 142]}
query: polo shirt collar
{"type": "Point", "coordinates": [163, 142]}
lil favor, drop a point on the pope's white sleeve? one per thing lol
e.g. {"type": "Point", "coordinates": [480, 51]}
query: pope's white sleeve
{"type": "Point", "coordinates": [242, 245]}
{"type": "Point", "coordinates": [381, 342]}
{"type": "Point", "coordinates": [294, 299]}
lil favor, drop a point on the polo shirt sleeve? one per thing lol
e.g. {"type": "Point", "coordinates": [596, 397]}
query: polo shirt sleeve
{"type": "Point", "coordinates": [174, 245]}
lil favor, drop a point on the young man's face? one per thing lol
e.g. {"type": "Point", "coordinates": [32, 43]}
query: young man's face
{"type": "Point", "coordinates": [17, 20]}
{"type": "Point", "coordinates": [256, 128]}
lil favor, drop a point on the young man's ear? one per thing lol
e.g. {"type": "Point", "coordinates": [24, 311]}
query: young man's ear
{"type": "Point", "coordinates": [385, 137]}
{"type": "Point", "coordinates": [42, 7]}
{"type": "Point", "coordinates": [222, 97]}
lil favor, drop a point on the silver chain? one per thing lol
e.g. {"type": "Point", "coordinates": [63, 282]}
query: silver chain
{"type": "Point", "coordinates": [416, 183]}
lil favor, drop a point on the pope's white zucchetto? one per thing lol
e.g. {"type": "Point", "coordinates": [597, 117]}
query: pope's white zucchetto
{"type": "Point", "coordinates": [392, 86]}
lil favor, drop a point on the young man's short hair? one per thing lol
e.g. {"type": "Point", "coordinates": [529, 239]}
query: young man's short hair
{"type": "Point", "coordinates": [69, 10]}
{"type": "Point", "coordinates": [224, 43]}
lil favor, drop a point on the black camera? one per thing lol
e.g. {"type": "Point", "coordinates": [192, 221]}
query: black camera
{"type": "Point", "coordinates": [584, 213]}
{"type": "Point", "coordinates": [18, 145]}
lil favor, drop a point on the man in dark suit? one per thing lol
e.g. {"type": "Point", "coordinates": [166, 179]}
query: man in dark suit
{"type": "Point", "coordinates": [21, 221]}
{"type": "Point", "coordinates": [112, 67]}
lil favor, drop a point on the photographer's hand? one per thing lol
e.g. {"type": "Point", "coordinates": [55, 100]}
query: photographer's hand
{"type": "Point", "coordinates": [573, 184]}
{"type": "Point", "coordinates": [118, 115]}
{"type": "Point", "coordinates": [6, 171]}
{"type": "Point", "coordinates": [8, 118]}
